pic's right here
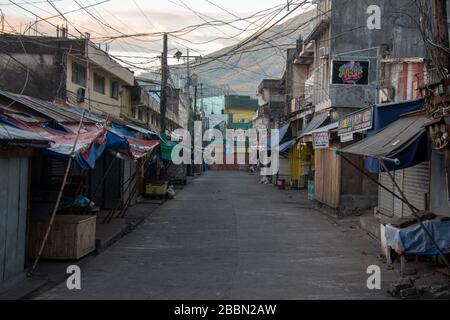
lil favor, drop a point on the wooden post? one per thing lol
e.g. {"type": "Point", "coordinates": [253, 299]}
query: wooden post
{"type": "Point", "coordinates": [195, 103]}
{"type": "Point", "coordinates": [58, 200]}
{"type": "Point", "coordinates": [164, 79]}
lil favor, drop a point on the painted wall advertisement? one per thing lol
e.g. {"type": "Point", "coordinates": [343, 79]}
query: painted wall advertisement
{"type": "Point", "coordinates": [350, 72]}
{"type": "Point", "coordinates": [321, 140]}
{"type": "Point", "coordinates": [356, 122]}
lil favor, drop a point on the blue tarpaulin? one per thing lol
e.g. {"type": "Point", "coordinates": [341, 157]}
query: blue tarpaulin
{"type": "Point", "coordinates": [286, 146]}
{"type": "Point", "coordinates": [113, 141]}
{"type": "Point", "coordinates": [414, 241]}
{"type": "Point", "coordinates": [282, 134]}
{"type": "Point", "coordinates": [95, 152]}
{"type": "Point", "coordinates": [415, 154]}
{"type": "Point", "coordinates": [386, 114]}
{"type": "Point", "coordinates": [123, 131]}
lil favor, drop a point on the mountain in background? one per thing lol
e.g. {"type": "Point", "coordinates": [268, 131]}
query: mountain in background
{"type": "Point", "coordinates": [260, 59]}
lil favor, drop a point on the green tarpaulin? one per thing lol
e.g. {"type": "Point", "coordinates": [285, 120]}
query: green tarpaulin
{"type": "Point", "coordinates": [166, 145]}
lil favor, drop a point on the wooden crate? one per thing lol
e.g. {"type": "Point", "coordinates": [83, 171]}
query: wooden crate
{"type": "Point", "coordinates": [71, 237]}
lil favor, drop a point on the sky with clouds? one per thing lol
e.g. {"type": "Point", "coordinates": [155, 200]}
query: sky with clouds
{"type": "Point", "coordinates": [106, 20]}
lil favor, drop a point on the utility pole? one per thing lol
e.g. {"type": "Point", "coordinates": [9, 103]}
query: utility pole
{"type": "Point", "coordinates": [195, 102]}
{"type": "Point", "coordinates": [440, 34]}
{"type": "Point", "coordinates": [188, 70]}
{"type": "Point", "coordinates": [201, 98]}
{"type": "Point", "coordinates": [3, 21]}
{"type": "Point", "coordinates": [164, 78]}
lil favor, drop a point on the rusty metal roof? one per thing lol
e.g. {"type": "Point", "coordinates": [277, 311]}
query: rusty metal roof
{"type": "Point", "coordinates": [11, 134]}
{"type": "Point", "coordinates": [51, 110]}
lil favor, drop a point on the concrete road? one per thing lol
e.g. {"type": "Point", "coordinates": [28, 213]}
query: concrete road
{"type": "Point", "coordinates": [227, 237]}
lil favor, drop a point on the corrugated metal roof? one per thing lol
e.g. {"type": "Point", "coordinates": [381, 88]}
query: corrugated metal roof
{"type": "Point", "coordinates": [393, 139]}
{"type": "Point", "coordinates": [66, 115]}
{"type": "Point", "coordinates": [8, 133]}
{"type": "Point", "coordinates": [139, 129]}
{"type": "Point", "coordinates": [48, 109]}
{"type": "Point", "coordinates": [87, 115]}
{"type": "Point", "coordinates": [315, 123]}
{"type": "Point", "coordinates": [327, 128]}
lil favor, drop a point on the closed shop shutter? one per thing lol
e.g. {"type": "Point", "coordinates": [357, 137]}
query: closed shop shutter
{"type": "Point", "coordinates": [387, 203]}
{"type": "Point", "coordinates": [416, 182]}
{"type": "Point", "coordinates": [398, 204]}
{"type": "Point", "coordinates": [386, 199]}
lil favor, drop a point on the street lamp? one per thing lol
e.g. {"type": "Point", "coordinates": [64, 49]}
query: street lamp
{"type": "Point", "coordinates": [178, 55]}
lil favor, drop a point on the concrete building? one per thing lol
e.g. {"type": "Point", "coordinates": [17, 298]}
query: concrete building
{"type": "Point", "coordinates": [72, 70]}
{"type": "Point", "coordinates": [341, 35]}
{"type": "Point", "coordinates": [341, 67]}
{"type": "Point", "coordinates": [146, 109]}
{"type": "Point", "coordinates": [240, 110]}
{"type": "Point", "coordinates": [272, 101]}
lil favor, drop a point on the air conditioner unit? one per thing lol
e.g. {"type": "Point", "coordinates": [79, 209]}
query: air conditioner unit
{"type": "Point", "coordinates": [81, 94]}
{"type": "Point", "coordinates": [324, 53]}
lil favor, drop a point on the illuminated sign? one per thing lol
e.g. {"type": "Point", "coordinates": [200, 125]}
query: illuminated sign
{"type": "Point", "coordinates": [350, 72]}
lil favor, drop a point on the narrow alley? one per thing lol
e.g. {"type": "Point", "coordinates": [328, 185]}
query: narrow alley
{"type": "Point", "coordinates": [225, 236]}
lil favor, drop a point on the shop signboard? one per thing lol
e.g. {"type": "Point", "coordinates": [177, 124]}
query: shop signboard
{"type": "Point", "coordinates": [350, 72]}
{"type": "Point", "coordinates": [347, 137]}
{"type": "Point", "coordinates": [356, 122]}
{"type": "Point", "coordinates": [321, 140]}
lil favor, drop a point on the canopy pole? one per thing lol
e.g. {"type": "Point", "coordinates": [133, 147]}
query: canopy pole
{"type": "Point", "coordinates": [414, 213]}
{"type": "Point", "coordinates": [129, 183]}
{"type": "Point", "coordinates": [394, 161]}
{"type": "Point", "coordinates": [60, 194]}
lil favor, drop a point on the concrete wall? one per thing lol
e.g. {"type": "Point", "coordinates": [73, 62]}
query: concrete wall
{"type": "Point", "coordinates": [43, 57]}
{"type": "Point", "coordinates": [300, 74]}
{"type": "Point", "coordinates": [399, 28]}
{"type": "Point", "coordinates": [99, 57]}
{"type": "Point", "coordinates": [239, 114]}
{"type": "Point", "coordinates": [37, 75]}
{"type": "Point", "coordinates": [321, 97]}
